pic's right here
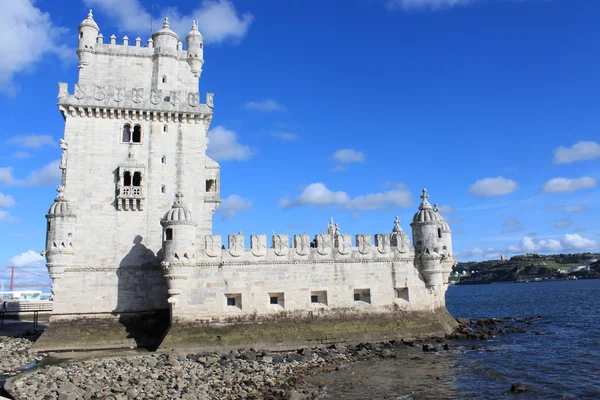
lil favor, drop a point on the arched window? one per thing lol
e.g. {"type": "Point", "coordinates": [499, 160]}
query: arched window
{"type": "Point", "coordinates": [163, 189]}
{"type": "Point", "coordinates": [165, 128]}
{"type": "Point", "coordinates": [126, 138]}
{"type": "Point", "coordinates": [439, 233]}
{"type": "Point", "coordinates": [137, 179]}
{"type": "Point", "coordinates": [137, 134]}
{"type": "Point", "coordinates": [164, 79]}
{"type": "Point", "coordinates": [169, 234]}
{"type": "Point", "coordinates": [163, 159]}
{"type": "Point", "coordinates": [127, 179]}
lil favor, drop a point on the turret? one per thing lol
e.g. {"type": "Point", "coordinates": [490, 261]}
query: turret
{"type": "Point", "coordinates": [179, 246]}
{"type": "Point", "coordinates": [60, 232]}
{"type": "Point", "coordinates": [449, 260]}
{"type": "Point", "coordinates": [88, 34]}
{"type": "Point", "coordinates": [165, 40]}
{"type": "Point", "coordinates": [427, 240]}
{"type": "Point", "coordinates": [195, 50]}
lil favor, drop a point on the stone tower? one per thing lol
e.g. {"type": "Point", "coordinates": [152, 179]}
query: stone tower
{"type": "Point", "coordinates": [135, 134]}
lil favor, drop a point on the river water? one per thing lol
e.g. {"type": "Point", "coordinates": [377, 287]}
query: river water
{"type": "Point", "coordinates": [558, 357]}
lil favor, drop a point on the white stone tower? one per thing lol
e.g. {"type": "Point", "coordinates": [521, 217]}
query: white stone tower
{"type": "Point", "coordinates": [135, 133]}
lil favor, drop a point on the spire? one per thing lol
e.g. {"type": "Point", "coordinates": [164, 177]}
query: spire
{"type": "Point", "coordinates": [436, 208]}
{"type": "Point", "coordinates": [396, 226]}
{"type": "Point", "coordinates": [90, 15]}
{"type": "Point", "coordinates": [425, 204]}
{"type": "Point", "coordinates": [61, 196]}
{"type": "Point", "coordinates": [331, 226]}
{"type": "Point", "coordinates": [178, 199]}
{"type": "Point", "coordinates": [194, 25]}
{"type": "Point", "coordinates": [166, 23]}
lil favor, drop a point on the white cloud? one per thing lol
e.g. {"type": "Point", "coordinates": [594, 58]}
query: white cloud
{"type": "Point", "coordinates": [21, 155]}
{"type": "Point", "coordinates": [566, 185]}
{"type": "Point", "coordinates": [264, 105]}
{"type": "Point", "coordinates": [424, 4]}
{"type": "Point", "coordinates": [569, 242]}
{"type": "Point", "coordinates": [511, 225]}
{"type": "Point", "coordinates": [6, 176]}
{"type": "Point", "coordinates": [580, 151]}
{"type": "Point", "coordinates": [6, 217]}
{"type": "Point", "coordinates": [27, 259]}
{"type": "Point", "coordinates": [233, 204]}
{"type": "Point", "coordinates": [49, 174]}
{"type": "Point", "coordinates": [574, 209]}
{"type": "Point", "coordinates": [563, 223]}
{"type": "Point", "coordinates": [223, 145]}
{"type": "Point", "coordinates": [286, 136]}
{"type": "Point", "coordinates": [346, 156]}
{"type": "Point", "coordinates": [489, 187]}
{"type": "Point", "coordinates": [477, 252]}
{"type": "Point", "coordinates": [317, 194]}
{"type": "Point", "coordinates": [446, 210]}
{"type": "Point", "coordinates": [532, 245]}
{"type": "Point", "coordinates": [32, 141]}
{"type": "Point", "coordinates": [28, 36]}
{"type": "Point", "coordinates": [218, 20]}
{"type": "Point", "coordinates": [6, 200]}
{"type": "Point", "coordinates": [573, 241]}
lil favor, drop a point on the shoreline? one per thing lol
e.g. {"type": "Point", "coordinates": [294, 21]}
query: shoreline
{"type": "Point", "coordinates": [243, 373]}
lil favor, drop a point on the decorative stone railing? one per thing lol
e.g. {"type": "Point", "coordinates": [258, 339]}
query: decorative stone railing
{"type": "Point", "coordinates": [131, 192]}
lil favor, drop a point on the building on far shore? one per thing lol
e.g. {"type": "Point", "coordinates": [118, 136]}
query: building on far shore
{"type": "Point", "coordinates": [130, 247]}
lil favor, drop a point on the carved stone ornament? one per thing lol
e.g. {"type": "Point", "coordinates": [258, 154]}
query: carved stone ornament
{"type": "Point", "coordinates": [323, 244]}
{"type": "Point", "coordinates": [344, 244]}
{"type": "Point", "coordinates": [137, 95]}
{"type": "Point", "coordinates": [193, 99]}
{"type": "Point", "coordinates": [258, 243]}
{"type": "Point", "coordinates": [236, 245]}
{"type": "Point", "coordinates": [404, 244]}
{"type": "Point", "coordinates": [100, 92]}
{"type": "Point", "coordinates": [213, 245]}
{"type": "Point", "coordinates": [363, 242]}
{"type": "Point", "coordinates": [382, 241]}
{"type": "Point", "coordinates": [174, 98]}
{"type": "Point", "coordinates": [63, 157]}
{"type": "Point", "coordinates": [302, 244]}
{"type": "Point", "coordinates": [155, 96]}
{"type": "Point", "coordinates": [119, 94]}
{"type": "Point", "coordinates": [79, 92]}
{"type": "Point", "coordinates": [280, 245]}
{"type": "Point", "coordinates": [210, 100]}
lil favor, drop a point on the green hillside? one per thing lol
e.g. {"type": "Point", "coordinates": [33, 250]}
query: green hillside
{"type": "Point", "coordinates": [526, 267]}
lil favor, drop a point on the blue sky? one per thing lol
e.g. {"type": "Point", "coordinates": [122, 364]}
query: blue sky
{"type": "Point", "coordinates": [345, 109]}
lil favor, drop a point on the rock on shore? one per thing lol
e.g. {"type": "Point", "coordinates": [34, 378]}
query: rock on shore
{"type": "Point", "coordinates": [14, 356]}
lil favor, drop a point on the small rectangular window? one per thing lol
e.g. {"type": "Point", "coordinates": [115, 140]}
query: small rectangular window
{"type": "Point", "coordinates": [233, 301]}
{"type": "Point", "coordinates": [318, 298]}
{"type": "Point", "coordinates": [362, 295]}
{"type": "Point", "coordinates": [276, 300]}
{"type": "Point", "coordinates": [401, 293]}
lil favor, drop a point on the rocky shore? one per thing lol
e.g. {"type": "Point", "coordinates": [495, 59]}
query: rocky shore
{"type": "Point", "coordinates": [14, 355]}
{"type": "Point", "coordinates": [242, 374]}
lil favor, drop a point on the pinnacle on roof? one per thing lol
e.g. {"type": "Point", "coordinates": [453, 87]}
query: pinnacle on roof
{"type": "Point", "coordinates": [89, 21]}
{"type": "Point", "coordinates": [397, 227]}
{"type": "Point", "coordinates": [425, 204]}
{"type": "Point", "coordinates": [194, 31]}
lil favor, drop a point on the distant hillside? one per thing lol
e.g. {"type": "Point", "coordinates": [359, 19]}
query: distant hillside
{"type": "Point", "coordinates": [527, 267]}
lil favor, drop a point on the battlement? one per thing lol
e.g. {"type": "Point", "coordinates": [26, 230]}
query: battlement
{"type": "Point", "coordinates": [132, 49]}
{"type": "Point", "coordinates": [323, 248]}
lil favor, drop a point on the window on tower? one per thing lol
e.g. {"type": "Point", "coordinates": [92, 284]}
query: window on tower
{"type": "Point", "coordinates": [126, 138]}
{"type": "Point", "coordinates": [137, 134]}
{"type": "Point", "coordinates": [137, 179]}
{"type": "Point", "coordinates": [127, 179]}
